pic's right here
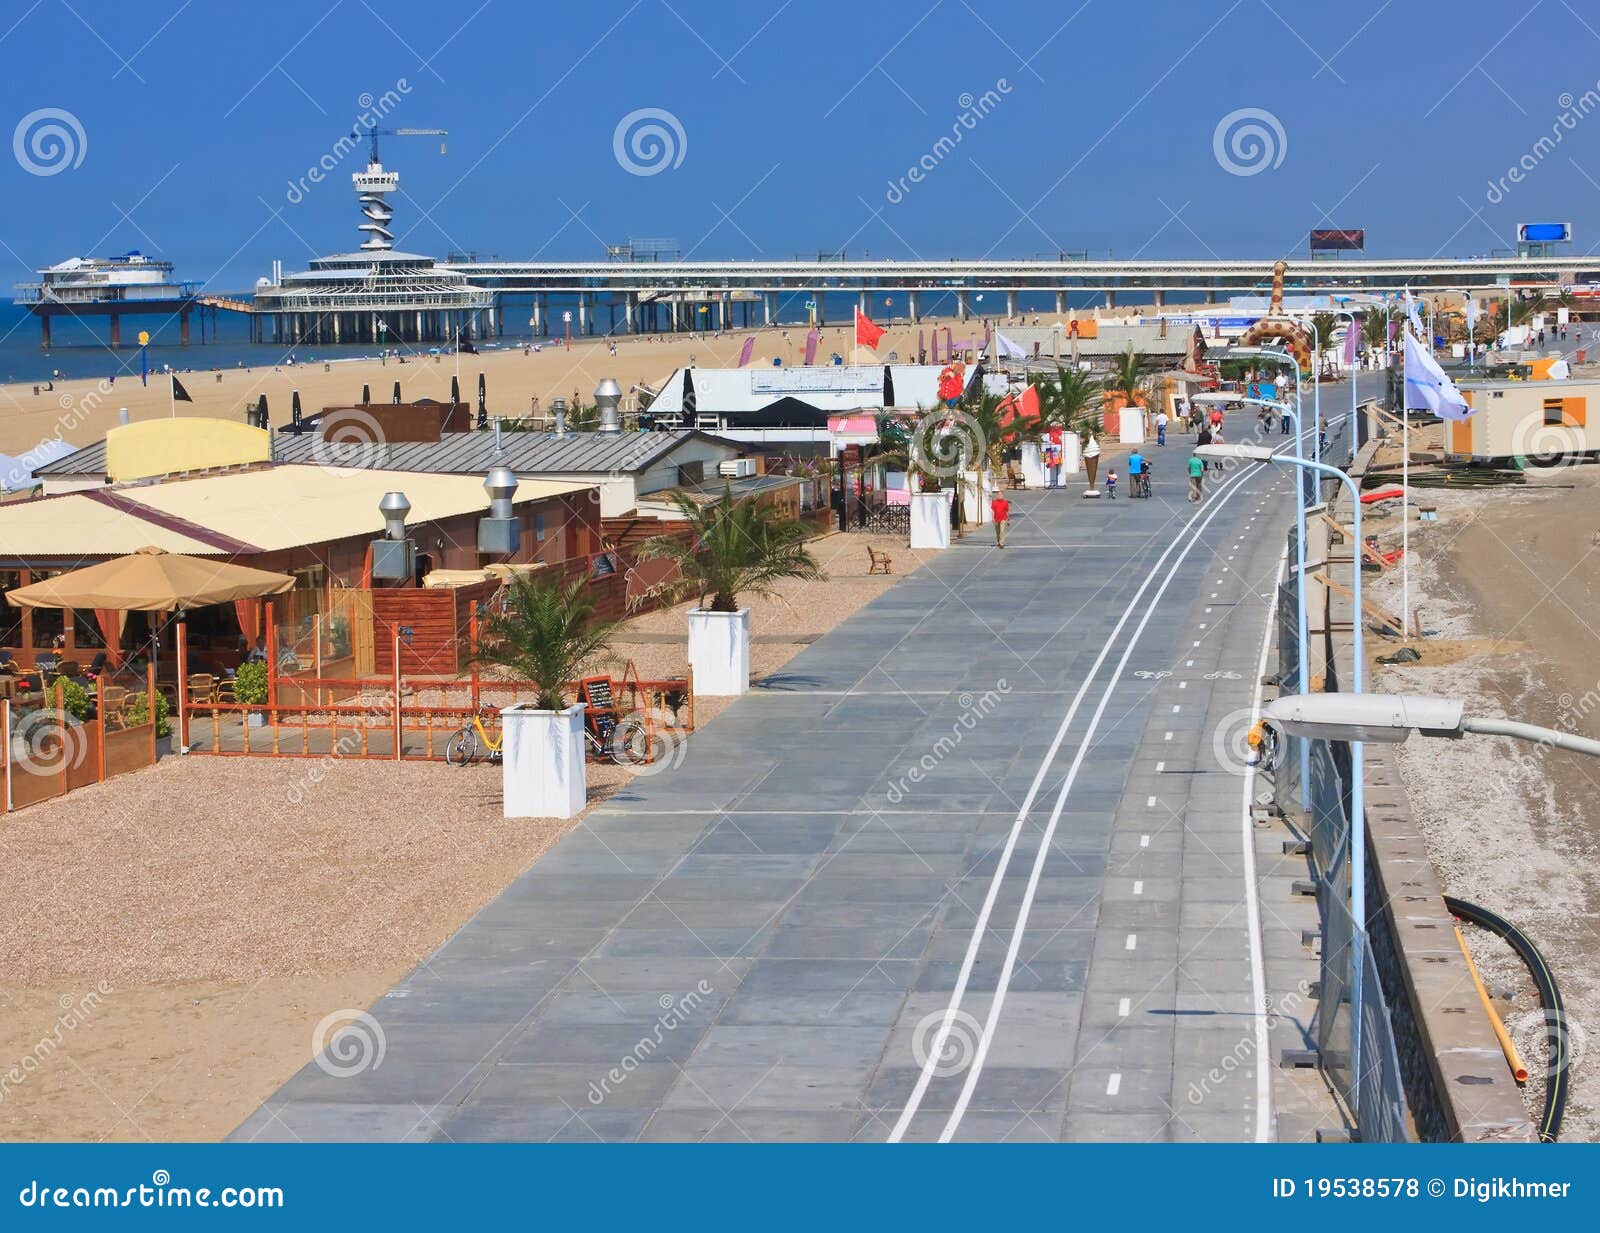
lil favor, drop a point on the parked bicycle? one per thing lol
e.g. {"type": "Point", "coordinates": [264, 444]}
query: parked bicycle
{"type": "Point", "coordinates": [628, 742]}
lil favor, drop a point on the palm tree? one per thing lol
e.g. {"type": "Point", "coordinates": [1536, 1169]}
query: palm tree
{"type": "Point", "coordinates": [1374, 330]}
{"type": "Point", "coordinates": [1321, 326]}
{"type": "Point", "coordinates": [736, 546]}
{"type": "Point", "coordinates": [547, 634]}
{"type": "Point", "coordinates": [1069, 401]}
{"type": "Point", "coordinates": [1127, 375]}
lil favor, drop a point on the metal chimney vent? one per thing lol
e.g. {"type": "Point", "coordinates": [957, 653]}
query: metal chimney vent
{"type": "Point", "coordinates": [394, 508]}
{"type": "Point", "coordinates": [607, 395]}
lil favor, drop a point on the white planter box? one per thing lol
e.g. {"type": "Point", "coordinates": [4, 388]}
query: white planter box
{"type": "Point", "coordinates": [975, 497]}
{"type": "Point", "coordinates": [1132, 432]}
{"type": "Point", "coordinates": [1033, 464]}
{"type": "Point", "coordinates": [544, 773]}
{"type": "Point", "coordinates": [930, 519]}
{"type": "Point", "coordinates": [719, 652]}
{"type": "Point", "coordinates": [1071, 453]}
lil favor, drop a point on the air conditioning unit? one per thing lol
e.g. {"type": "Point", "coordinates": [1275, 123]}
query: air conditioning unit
{"type": "Point", "coordinates": [736, 468]}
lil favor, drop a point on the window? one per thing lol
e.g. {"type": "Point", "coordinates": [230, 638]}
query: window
{"type": "Point", "coordinates": [1553, 408]}
{"type": "Point", "coordinates": [538, 527]}
{"type": "Point", "coordinates": [690, 473]}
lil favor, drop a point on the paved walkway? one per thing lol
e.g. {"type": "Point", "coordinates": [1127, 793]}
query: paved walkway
{"type": "Point", "coordinates": [973, 865]}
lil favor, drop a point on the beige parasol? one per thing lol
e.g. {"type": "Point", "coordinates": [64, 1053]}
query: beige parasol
{"type": "Point", "coordinates": [151, 580]}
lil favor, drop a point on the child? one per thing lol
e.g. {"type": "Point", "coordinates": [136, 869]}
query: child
{"type": "Point", "coordinates": [1111, 485]}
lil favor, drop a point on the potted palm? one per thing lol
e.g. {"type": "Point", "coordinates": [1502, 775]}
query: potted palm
{"type": "Point", "coordinates": [547, 634]}
{"type": "Point", "coordinates": [933, 450]}
{"type": "Point", "coordinates": [1071, 403]}
{"type": "Point", "coordinates": [1123, 386]}
{"type": "Point", "coordinates": [732, 547]}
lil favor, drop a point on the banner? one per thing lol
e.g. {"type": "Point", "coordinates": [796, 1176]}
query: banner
{"type": "Point", "coordinates": [1338, 240]}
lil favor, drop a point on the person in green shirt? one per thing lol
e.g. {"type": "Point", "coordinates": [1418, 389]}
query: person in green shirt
{"type": "Point", "coordinates": [1197, 475]}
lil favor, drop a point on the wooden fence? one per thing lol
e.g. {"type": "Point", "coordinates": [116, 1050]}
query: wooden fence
{"type": "Point", "coordinates": [47, 752]}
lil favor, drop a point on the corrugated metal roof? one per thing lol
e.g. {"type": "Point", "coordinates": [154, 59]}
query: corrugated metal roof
{"type": "Point", "coordinates": [239, 512]}
{"type": "Point", "coordinates": [461, 453]}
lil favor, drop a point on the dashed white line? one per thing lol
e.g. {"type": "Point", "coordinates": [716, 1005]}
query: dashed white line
{"type": "Point", "coordinates": [1124, 1005]}
{"type": "Point", "coordinates": [1144, 841]}
{"type": "Point", "coordinates": [1160, 766]}
{"type": "Point", "coordinates": [1132, 943]}
{"type": "Point", "coordinates": [1114, 1084]}
{"type": "Point", "coordinates": [1149, 802]}
{"type": "Point", "coordinates": [1138, 888]}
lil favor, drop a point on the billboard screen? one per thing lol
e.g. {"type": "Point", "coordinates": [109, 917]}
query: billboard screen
{"type": "Point", "coordinates": [1544, 233]}
{"type": "Point", "coordinates": [1338, 240]}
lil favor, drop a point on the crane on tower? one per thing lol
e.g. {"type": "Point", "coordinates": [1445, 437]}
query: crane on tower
{"type": "Point", "coordinates": [375, 184]}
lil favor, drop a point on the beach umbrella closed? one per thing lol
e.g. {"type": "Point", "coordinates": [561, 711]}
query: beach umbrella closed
{"type": "Point", "coordinates": [455, 390]}
{"type": "Point", "coordinates": [151, 580]}
{"type": "Point", "coordinates": [366, 394]}
{"type": "Point", "coordinates": [294, 408]}
{"type": "Point", "coordinates": [261, 412]}
{"type": "Point", "coordinates": [397, 392]}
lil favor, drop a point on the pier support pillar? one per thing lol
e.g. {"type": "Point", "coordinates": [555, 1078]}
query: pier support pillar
{"type": "Point", "coordinates": [674, 316]}
{"type": "Point", "coordinates": [631, 307]}
{"type": "Point", "coordinates": [183, 328]}
{"type": "Point", "coordinates": [961, 306]}
{"type": "Point", "coordinates": [914, 306]}
{"type": "Point", "coordinates": [538, 315]}
{"type": "Point", "coordinates": [863, 305]}
{"type": "Point", "coordinates": [1011, 304]}
{"type": "Point", "coordinates": [44, 331]}
{"type": "Point", "coordinates": [767, 298]}
{"type": "Point", "coordinates": [583, 314]}
{"type": "Point", "coordinates": [1061, 302]}
{"type": "Point", "coordinates": [1211, 295]}
{"type": "Point", "coordinates": [821, 298]}
{"type": "Point", "coordinates": [1159, 299]}
{"type": "Point", "coordinates": [116, 330]}
{"type": "Point", "coordinates": [1111, 299]}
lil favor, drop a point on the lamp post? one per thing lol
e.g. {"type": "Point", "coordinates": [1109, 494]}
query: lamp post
{"type": "Point", "coordinates": [1281, 357]}
{"type": "Point", "coordinates": [1391, 718]}
{"type": "Point", "coordinates": [1358, 817]}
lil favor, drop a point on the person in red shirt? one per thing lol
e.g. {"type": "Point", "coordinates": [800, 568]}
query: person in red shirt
{"type": "Point", "coordinates": [1216, 417]}
{"type": "Point", "coordinates": [1001, 509]}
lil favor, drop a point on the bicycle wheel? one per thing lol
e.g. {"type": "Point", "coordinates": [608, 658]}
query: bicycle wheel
{"type": "Point", "coordinates": [632, 744]}
{"type": "Point", "coordinates": [461, 748]}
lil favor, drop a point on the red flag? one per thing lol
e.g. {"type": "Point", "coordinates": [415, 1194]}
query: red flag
{"type": "Point", "coordinates": [867, 334]}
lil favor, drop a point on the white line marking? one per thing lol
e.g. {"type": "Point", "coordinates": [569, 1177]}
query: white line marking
{"type": "Point", "coordinates": [1144, 841]}
{"type": "Point", "coordinates": [1194, 529]}
{"type": "Point", "coordinates": [1252, 900]}
{"type": "Point", "coordinates": [1176, 708]}
{"type": "Point", "coordinates": [1132, 943]}
{"type": "Point", "coordinates": [1167, 736]}
{"type": "Point", "coordinates": [1149, 802]}
{"type": "Point", "coordinates": [1183, 684]}
{"type": "Point", "coordinates": [1188, 663]}
{"type": "Point", "coordinates": [1124, 1005]}
{"type": "Point", "coordinates": [1160, 766]}
{"type": "Point", "coordinates": [1138, 888]}
{"type": "Point", "coordinates": [1113, 1085]}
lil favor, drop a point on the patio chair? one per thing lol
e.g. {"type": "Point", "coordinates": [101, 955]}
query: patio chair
{"type": "Point", "coordinates": [97, 665]}
{"type": "Point", "coordinates": [69, 668]}
{"type": "Point", "coordinates": [202, 688]}
{"type": "Point", "coordinates": [113, 702]}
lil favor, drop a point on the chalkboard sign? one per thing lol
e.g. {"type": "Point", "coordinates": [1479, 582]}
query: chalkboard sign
{"type": "Point", "coordinates": [595, 693]}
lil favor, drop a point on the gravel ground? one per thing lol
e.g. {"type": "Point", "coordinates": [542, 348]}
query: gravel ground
{"type": "Point", "coordinates": [173, 937]}
{"type": "Point", "coordinates": [1522, 839]}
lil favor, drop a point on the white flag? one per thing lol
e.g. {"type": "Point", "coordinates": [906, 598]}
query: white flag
{"type": "Point", "coordinates": [1005, 348]}
{"type": "Point", "coordinates": [1472, 315]}
{"type": "Point", "coordinates": [1427, 386]}
{"type": "Point", "coordinates": [1413, 316]}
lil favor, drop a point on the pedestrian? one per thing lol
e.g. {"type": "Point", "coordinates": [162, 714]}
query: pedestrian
{"type": "Point", "coordinates": [1135, 470]}
{"type": "Point", "coordinates": [1216, 418]}
{"type": "Point", "coordinates": [1111, 483]}
{"type": "Point", "coordinates": [1001, 509]}
{"type": "Point", "coordinates": [1205, 436]}
{"type": "Point", "coordinates": [1197, 475]}
{"type": "Point", "coordinates": [1283, 424]}
{"type": "Point", "coordinates": [1161, 427]}
{"type": "Point", "coordinates": [1216, 439]}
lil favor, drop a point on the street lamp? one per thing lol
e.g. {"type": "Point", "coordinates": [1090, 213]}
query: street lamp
{"type": "Point", "coordinates": [1391, 718]}
{"type": "Point", "coordinates": [1280, 357]}
{"type": "Point", "coordinates": [1358, 804]}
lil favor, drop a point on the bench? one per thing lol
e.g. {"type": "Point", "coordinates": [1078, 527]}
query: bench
{"type": "Point", "coordinates": [879, 562]}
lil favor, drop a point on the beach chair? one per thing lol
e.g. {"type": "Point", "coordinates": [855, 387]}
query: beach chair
{"type": "Point", "coordinates": [879, 562]}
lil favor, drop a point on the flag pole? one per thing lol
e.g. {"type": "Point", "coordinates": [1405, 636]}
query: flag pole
{"type": "Point", "coordinates": [1405, 506]}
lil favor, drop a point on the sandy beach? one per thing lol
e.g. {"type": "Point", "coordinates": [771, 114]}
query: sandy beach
{"type": "Point", "coordinates": [81, 410]}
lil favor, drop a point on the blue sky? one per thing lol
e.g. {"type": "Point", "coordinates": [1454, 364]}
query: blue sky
{"type": "Point", "coordinates": [798, 120]}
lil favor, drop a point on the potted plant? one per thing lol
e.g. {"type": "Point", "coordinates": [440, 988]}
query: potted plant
{"type": "Point", "coordinates": [735, 546]}
{"type": "Point", "coordinates": [250, 689]}
{"type": "Point", "coordinates": [931, 455]}
{"type": "Point", "coordinates": [547, 634]}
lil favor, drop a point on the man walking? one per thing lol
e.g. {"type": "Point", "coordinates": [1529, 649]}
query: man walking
{"type": "Point", "coordinates": [1001, 509]}
{"type": "Point", "coordinates": [1135, 470]}
{"type": "Point", "coordinates": [1161, 427]}
{"type": "Point", "coordinates": [1197, 475]}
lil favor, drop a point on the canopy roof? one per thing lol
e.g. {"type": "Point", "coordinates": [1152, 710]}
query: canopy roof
{"type": "Point", "coordinates": [151, 580]}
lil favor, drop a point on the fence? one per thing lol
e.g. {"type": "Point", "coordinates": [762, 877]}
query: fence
{"type": "Point", "coordinates": [47, 751]}
{"type": "Point", "coordinates": [1373, 1090]}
